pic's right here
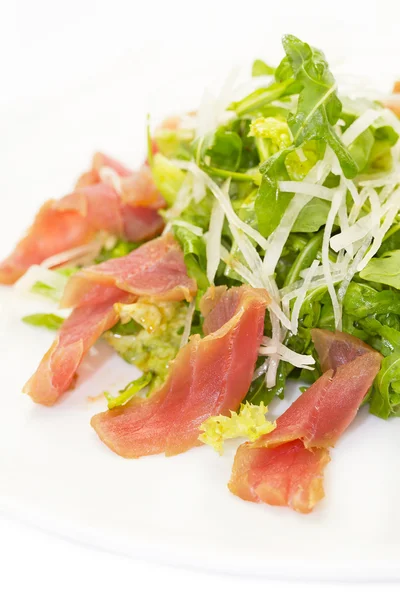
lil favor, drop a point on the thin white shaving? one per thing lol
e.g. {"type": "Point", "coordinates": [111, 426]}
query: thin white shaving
{"type": "Point", "coordinates": [279, 237]}
{"type": "Point", "coordinates": [188, 323]}
{"type": "Point", "coordinates": [213, 243]}
{"type": "Point", "coordinates": [352, 270]}
{"type": "Point", "coordinates": [338, 198]}
{"type": "Point", "coordinates": [222, 199]}
{"type": "Point", "coordinates": [360, 125]}
{"type": "Point", "coordinates": [189, 226]}
{"type": "Point", "coordinates": [302, 361]}
{"type": "Point", "coordinates": [309, 189]}
{"type": "Point", "coordinates": [302, 292]}
{"type": "Point", "coordinates": [93, 248]}
{"type": "Point", "coordinates": [376, 244]}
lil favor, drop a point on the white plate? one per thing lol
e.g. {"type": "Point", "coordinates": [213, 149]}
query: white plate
{"type": "Point", "coordinates": [54, 471]}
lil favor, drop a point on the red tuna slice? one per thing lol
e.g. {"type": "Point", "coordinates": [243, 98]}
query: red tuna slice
{"type": "Point", "coordinates": [209, 376]}
{"type": "Point", "coordinates": [101, 160]}
{"type": "Point", "coordinates": [77, 334]}
{"type": "Point", "coordinates": [278, 468]}
{"type": "Point", "coordinates": [73, 221]}
{"type": "Point", "coordinates": [139, 190]}
{"type": "Point", "coordinates": [337, 348]}
{"type": "Point", "coordinates": [156, 269]}
{"type": "Point", "coordinates": [288, 475]}
{"type": "Point", "coordinates": [52, 232]}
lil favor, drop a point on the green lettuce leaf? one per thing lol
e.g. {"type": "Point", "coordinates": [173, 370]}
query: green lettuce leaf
{"type": "Point", "coordinates": [48, 320]}
{"type": "Point", "coordinates": [128, 392]}
{"type": "Point", "coordinates": [261, 68]}
{"type": "Point", "coordinates": [385, 269]}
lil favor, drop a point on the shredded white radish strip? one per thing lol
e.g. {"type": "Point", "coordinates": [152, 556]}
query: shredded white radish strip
{"type": "Point", "coordinates": [391, 179]}
{"type": "Point", "coordinates": [279, 237]}
{"type": "Point", "coordinates": [213, 244]}
{"type": "Point", "coordinates": [366, 225]}
{"type": "Point", "coordinates": [336, 268]}
{"type": "Point", "coordinates": [376, 244]}
{"type": "Point", "coordinates": [386, 192]}
{"type": "Point", "coordinates": [188, 323]}
{"type": "Point", "coordinates": [314, 284]}
{"type": "Point", "coordinates": [189, 226]}
{"type": "Point", "coordinates": [223, 200]}
{"type": "Point", "coordinates": [359, 126]}
{"type": "Point", "coordinates": [309, 189]}
{"type": "Point", "coordinates": [260, 370]}
{"type": "Point", "coordinates": [68, 255]}
{"type": "Point", "coordinates": [302, 361]}
{"type": "Point", "coordinates": [338, 198]}
{"type": "Point", "coordinates": [353, 190]}
{"type": "Point", "coordinates": [352, 270]}
{"type": "Point", "coordinates": [302, 295]}
{"type": "Point", "coordinates": [344, 226]}
{"type": "Point", "coordinates": [357, 206]}
{"type": "Point", "coordinates": [255, 282]}
{"type": "Point", "coordinates": [110, 176]}
{"type": "Point", "coordinates": [355, 232]}
{"type": "Point", "coordinates": [239, 268]}
{"type": "Point", "coordinates": [198, 189]}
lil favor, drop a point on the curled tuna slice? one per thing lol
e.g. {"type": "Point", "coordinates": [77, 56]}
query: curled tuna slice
{"type": "Point", "coordinates": [209, 376]}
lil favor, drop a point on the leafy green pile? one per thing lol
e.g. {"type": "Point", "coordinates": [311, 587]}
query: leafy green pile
{"type": "Point", "coordinates": [280, 133]}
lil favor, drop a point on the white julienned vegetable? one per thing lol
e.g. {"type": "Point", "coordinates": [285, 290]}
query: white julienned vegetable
{"type": "Point", "coordinates": [338, 198]}
{"type": "Point", "coordinates": [279, 237]}
{"type": "Point", "coordinates": [188, 323]}
{"type": "Point", "coordinates": [302, 295]}
{"type": "Point", "coordinates": [302, 361]}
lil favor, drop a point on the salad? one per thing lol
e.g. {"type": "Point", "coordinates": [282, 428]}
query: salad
{"type": "Point", "coordinates": [259, 242]}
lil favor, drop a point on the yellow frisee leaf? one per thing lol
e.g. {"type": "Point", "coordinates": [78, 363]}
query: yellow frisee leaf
{"type": "Point", "coordinates": [249, 422]}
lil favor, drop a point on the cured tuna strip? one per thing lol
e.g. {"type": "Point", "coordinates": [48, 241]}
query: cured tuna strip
{"type": "Point", "coordinates": [139, 190]}
{"type": "Point", "coordinates": [101, 160]}
{"type": "Point", "coordinates": [136, 188]}
{"type": "Point", "coordinates": [209, 376]}
{"type": "Point", "coordinates": [73, 221]}
{"type": "Point", "coordinates": [156, 269]}
{"type": "Point", "coordinates": [77, 334]}
{"type": "Point", "coordinates": [52, 232]}
{"type": "Point", "coordinates": [337, 348]}
{"type": "Point", "coordinates": [285, 467]}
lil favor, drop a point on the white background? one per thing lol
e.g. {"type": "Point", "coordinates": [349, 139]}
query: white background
{"type": "Point", "coordinates": [52, 49]}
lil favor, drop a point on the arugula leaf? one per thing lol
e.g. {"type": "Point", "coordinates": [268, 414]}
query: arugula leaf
{"type": "Point", "coordinates": [271, 203]}
{"type": "Point", "coordinates": [224, 150]}
{"type": "Point", "coordinates": [385, 269]}
{"type": "Point", "coordinates": [362, 300]}
{"type": "Point", "coordinates": [312, 216]}
{"type": "Point", "coordinates": [258, 99]}
{"type": "Point", "coordinates": [318, 107]}
{"type": "Point", "coordinates": [194, 251]}
{"type": "Point", "coordinates": [48, 320]}
{"type": "Point", "coordinates": [305, 258]}
{"type": "Point", "coordinates": [361, 148]}
{"type": "Point", "coordinates": [128, 392]}
{"type": "Point", "coordinates": [261, 68]}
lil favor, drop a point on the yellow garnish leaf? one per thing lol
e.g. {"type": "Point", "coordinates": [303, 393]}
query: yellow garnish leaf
{"type": "Point", "coordinates": [273, 129]}
{"type": "Point", "coordinates": [249, 422]}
